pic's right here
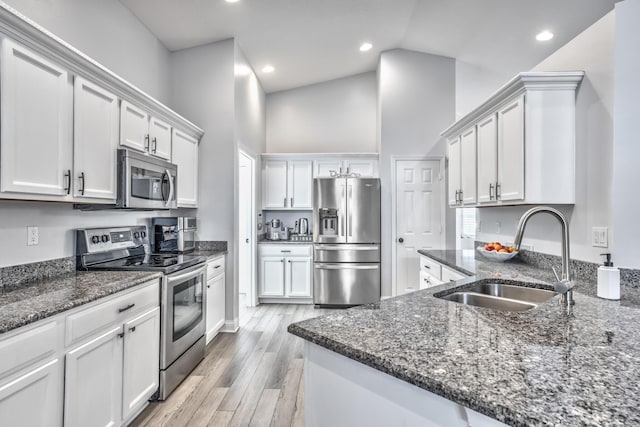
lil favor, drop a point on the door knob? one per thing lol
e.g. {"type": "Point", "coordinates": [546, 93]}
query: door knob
{"type": "Point", "coordinates": [401, 240]}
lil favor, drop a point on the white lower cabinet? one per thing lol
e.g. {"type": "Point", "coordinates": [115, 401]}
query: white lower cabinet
{"type": "Point", "coordinates": [39, 386]}
{"type": "Point", "coordinates": [432, 273]}
{"type": "Point", "coordinates": [285, 272]}
{"type": "Point", "coordinates": [215, 298]}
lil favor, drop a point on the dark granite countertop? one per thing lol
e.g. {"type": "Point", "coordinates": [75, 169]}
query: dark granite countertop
{"type": "Point", "coordinates": [33, 301]}
{"type": "Point", "coordinates": [287, 242]}
{"type": "Point", "coordinates": [541, 367]}
{"type": "Point", "coordinates": [209, 254]}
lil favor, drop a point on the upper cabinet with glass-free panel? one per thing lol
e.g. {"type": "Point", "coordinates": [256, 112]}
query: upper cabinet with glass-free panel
{"type": "Point", "coordinates": [525, 135]}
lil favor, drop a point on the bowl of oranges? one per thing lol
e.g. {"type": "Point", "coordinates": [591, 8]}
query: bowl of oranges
{"type": "Point", "coordinates": [496, 251]}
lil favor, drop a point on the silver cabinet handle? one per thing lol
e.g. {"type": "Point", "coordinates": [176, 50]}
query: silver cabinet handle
{"type": "Point", "coordinates": [460, 195]}
{"type": "Point", "coordinates": [132, 329]}
{"type": "Point", "coordinates": [81, 178]}
{"type": "Point", "coordinates": [285, 251]}
{"type": "Point", "coordinates": [146, 142]}
{"type": "Point", "coordinates": [498, 191]}
{"type": "Point", "coordinates": [427, 267]}
{"type": "Point", "coordinates": [155, 144]}
{"type": "Point", "coordinates": [291, 202]}
{"type": "Point", "coordinates": [121, 335]}
{"type": "Point", "coordinates": [490, 191]}
{"type": "Point", "coordinates": [285, 202]}
{"type": "Point", "coordinates": [67, 176]}
{"type": "Point", "coordinates": [128, 307]}
{"type": "Point", "coordinates": [457, 198]}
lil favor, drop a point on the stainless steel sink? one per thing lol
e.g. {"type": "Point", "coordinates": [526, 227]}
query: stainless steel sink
{"type": "Point", "coordinates": [499, 296]}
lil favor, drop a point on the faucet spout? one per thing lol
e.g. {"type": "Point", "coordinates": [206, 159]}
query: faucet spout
{"type": "Point", "coordinates": [565, 286]}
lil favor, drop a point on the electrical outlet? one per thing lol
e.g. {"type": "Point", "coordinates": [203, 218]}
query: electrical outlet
{"type": "Point", "coordinates": [32, 236]}
{"type": "Point", "coordinates": [600, 237]}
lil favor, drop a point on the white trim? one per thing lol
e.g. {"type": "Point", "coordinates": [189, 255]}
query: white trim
{"type": "Point", "coordinates": [443, 213]}
{"type": "Point", "coordinates": [319, 156]}
{"type": "Point", "coordinates": [26, 32]}
{"type": "Point", "coordinates": [231, 326]}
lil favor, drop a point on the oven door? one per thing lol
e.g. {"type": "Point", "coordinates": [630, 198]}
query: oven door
{"type": "Point", "coordinates": [145, 183]}
{"type": "Point", "coordinates": [183, 316]}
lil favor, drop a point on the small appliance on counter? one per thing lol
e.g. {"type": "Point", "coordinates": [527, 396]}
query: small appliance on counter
{"type": "Point", "coordinates": [273, 230]}
{"type": "Point", "coordinates": [175, 234]}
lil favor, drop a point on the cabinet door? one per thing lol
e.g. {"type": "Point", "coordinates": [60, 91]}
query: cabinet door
{"type": "Point", "coordinates": [468, 164]}
{"type": "Point", "coordinates": [134, 127]}
{"type": "Point", "coordinates": [215, 305]}
{"type": "Point", "coordinates": [93, 382]}
{"type": "Point", "coordinates": [141, 367]}
{"type": "Point", "coordinates": [364, 168]}
{"type": "Point", "coordinates": [160, 139]}
{"type": "Point", "coordinates": [487, 159]}
{"type": "Point", "coordinates": [36, 123]}
{"type": "Point", "coordinates": [300, 175]}
{"type": "Point", "coordinates": [184, 153]}
{"type": "Point", "coordinates": [323, 168]}
{"type": "Point", "coordinates": [272, 276]}
{"type": "Point", "coordinates": [33, 399]}
{"type": "Point", "coordinates": [274, 184]}
{"type": "Point", "coordinates": [454, 171]}
{"type": "Point", "coordinates": [511, 151]}
{"type": "Point", "coordinates": [299, 277]}
{"type": "Point", "coordinates": [95, 129]}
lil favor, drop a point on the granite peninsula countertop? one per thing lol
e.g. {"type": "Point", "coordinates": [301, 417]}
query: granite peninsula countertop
{"type": "Point", "coordinates": [209, 254]}
{"type": "Point", "coordinates": [541, 367]}
{"type": "Point", "coordinates": [29, 302]}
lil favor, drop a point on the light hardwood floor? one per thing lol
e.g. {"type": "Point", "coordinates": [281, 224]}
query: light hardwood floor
{"type": "Point", "coordinates": [251, 378]}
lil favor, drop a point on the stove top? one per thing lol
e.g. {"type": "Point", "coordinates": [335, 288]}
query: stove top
{"type": "Point", "coordinates": [165, 263]}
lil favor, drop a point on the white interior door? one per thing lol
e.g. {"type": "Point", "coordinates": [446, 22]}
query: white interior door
{"type": "Point", "coordinates": [419, 223]}
{"type": "Point", "coordinates": [246, 259]}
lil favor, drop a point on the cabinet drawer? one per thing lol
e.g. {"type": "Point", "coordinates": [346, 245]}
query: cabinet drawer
{"type": "Point", "coordinates": [215, 267]}
{"type": "Point", "coordinates": [91, 320]}
{"type": "Point", "coordinates": [284, 250]}
{"type": "Point", "coordinates": [449, 275]}
{"type": "Point", "coordinates": [27, 348]}
{"type": "Point", "coordinates": [427, 280]}
{"type": "Point", "coordinates": [430, 266]}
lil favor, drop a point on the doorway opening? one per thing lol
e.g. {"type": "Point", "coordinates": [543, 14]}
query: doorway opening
{"type": "Point", "coordinates": [418, 216]}
{"type": "Point", "coordinates": [246, 235]}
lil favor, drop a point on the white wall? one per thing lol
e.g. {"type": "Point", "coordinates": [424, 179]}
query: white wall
{"type": "Point", "coordinates": [475, 84]}
{"type": "Point", "coordinates": [109, 33]}
{"type": "Point", "coordinates": [591, 51]}
{"type": "Point", "coordinates": [331, 117]}
{"type": "Point", "coordinates": [626, 145]}
{"type": "Point", "coordinates": [417, 101]}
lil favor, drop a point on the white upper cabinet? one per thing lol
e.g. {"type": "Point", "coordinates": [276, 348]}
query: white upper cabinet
{"type": "Point", "coordinates": [160, 138]}
{"type": "Point", "coordinates": [95, 133]}
{"type": "Point", "coordinates": [185, 155]}
{"type": "Point", "coordinates": [364, 167]}
{"type": "Point", "coordinates": [134, 127]}
{"type": "Point", "coordinates": [525, 136]}
{"type": "Point", "coordinates": [323, 168]}
{"type": "Point", "coordinates": [487, 135]}
{"type": "Point", "coordinates": [36, 123]}
{"type": "Point", "coordinates": [287, 184]}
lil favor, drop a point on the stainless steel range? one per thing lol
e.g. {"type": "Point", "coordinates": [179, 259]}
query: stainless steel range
{"type": "Point", "coordinates": [182, 342]}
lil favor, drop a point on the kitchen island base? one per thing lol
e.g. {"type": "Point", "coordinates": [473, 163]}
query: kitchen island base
{"type": "Point", "coordinates": [342, 392]}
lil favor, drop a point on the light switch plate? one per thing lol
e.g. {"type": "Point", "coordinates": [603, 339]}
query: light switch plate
{"type": "Point", "coordinates": [600, 237]}
{"type": "Point", "coordinates": [32, 236]}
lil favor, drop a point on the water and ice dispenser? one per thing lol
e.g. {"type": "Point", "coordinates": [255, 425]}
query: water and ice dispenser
{"type": "Point", "coordinates": [328, 222]}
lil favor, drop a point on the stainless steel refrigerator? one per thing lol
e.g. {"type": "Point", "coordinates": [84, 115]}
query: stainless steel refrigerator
{"type": "Point", "coordinates": [346, 236]}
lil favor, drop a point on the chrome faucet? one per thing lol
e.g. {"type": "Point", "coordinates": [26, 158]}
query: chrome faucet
{"type": "Point", "coordinates": [564, 285]}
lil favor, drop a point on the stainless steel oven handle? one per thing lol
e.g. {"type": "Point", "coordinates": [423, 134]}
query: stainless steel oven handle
{"type": "Point", "coordinates": [188, 275]}
{"type": "Point", "coordinates": [170, 198]}
{"type": "Point", "coordinates": [345, 267]}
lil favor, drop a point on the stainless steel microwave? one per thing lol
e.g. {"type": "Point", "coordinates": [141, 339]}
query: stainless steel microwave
{"type": "Point", "coordinates": [145, 182]}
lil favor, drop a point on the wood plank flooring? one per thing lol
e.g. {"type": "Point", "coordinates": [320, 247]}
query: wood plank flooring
{"type": "Point", "coordinates": [251, 378]}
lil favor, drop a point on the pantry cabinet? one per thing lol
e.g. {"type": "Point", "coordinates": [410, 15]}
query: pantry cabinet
{"type": "Point", "coordinates": [285, 272]}
{"type": "Point", "coordinates": [287, 184]}
{"type": "Point", "coordinates": [185, 155]}
{"type": "Point", "coordinates": [95, 141]}
{"type": "Point", "coordinates": [525, 139]}
{"type": "Point", "coordinates": [35, 123]}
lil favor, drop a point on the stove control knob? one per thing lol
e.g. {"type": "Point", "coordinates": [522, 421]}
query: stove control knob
{"type": "Point", "coordinates": [143, 234]}
{"type": "Point", "coordinates": [105, 238]}
{"type": "Point", "coordinates": [95, 239]}
{"type": "Point", "coordinates": [136, 235]}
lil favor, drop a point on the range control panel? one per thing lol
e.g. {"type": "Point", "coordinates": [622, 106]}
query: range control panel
{"type": "Point", "coordinates": [92, 240]}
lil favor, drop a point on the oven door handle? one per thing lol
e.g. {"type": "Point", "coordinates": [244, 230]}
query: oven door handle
{"type": "Point", "coordinates": [188, 275]}
{"type": "Point", "coordinates": [171, 189]}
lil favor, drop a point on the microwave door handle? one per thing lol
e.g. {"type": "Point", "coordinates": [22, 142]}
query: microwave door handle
{"type": "Point", "coordinates": [170, 198]}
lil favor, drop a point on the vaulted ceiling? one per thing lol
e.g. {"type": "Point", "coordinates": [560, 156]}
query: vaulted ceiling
{"type": "Point", "coordinates": [309, 41]}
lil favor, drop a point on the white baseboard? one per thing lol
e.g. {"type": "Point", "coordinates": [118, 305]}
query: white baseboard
{"type": "Point", "coordinates": [231, 326]}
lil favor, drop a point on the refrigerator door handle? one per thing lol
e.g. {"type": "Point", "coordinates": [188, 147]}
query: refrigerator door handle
{"type": "Point", "coordinates": [345, 267]}
{"type": "Point", "coordinates": [321, 247]}
{"type": "Point", "coordinates": [341, 219]}
{"type": "Point", "coordinates": [349, 200]}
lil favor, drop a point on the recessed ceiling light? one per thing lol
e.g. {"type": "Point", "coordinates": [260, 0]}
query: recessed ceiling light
{"type": "Point", "coordinates": [365, 47]}
{"type": "Point", "coordinates": [232, 1]}
{"type": "Point", "coordinates": [268, 69]}
{"type": "Point", "coordinates": [544, 36]}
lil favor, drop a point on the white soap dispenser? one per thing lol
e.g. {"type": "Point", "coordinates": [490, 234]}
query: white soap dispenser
{"type": "Point", "coordinates": [608, 280]}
